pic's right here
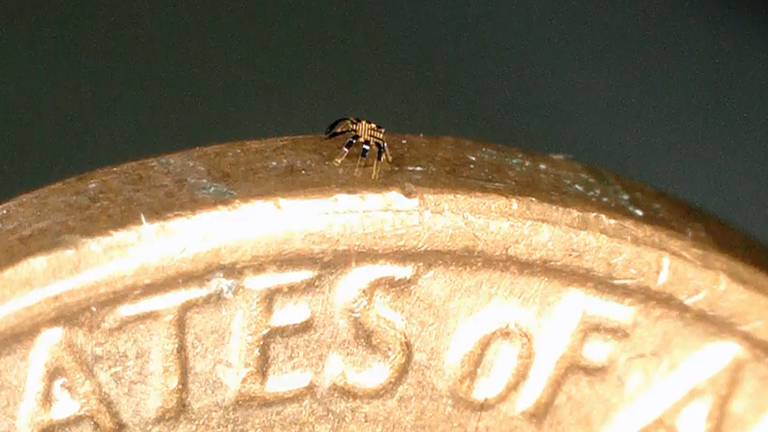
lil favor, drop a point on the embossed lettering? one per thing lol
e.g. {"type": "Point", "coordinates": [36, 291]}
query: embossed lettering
{"type": "Point", "coordinates": [380, 327]}
{"type": "Point", "coordinates": [676, 394]}
{"type": "Point", "coordinates": [470, 345]}
{"type": "Point", "coordinates": [574, 337]}
{"type": "Point", "coordinates": [248, 376]}
{"type": "Point", "coordinates": [168, 348]}
{"type": "Point", "coordinates": [536, 365]}
{"type": "Point", "coordinates": [61, 389]}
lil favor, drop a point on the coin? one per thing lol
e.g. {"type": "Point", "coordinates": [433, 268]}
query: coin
{"type": "Point", "coordinates": [258, 286]}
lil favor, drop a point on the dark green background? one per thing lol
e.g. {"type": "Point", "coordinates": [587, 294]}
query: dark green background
{"type": "Point", "coordinates": [668, 92]}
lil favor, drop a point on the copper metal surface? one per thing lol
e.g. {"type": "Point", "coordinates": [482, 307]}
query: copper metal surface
{"type": "Point", "coordinates": [257, 286]}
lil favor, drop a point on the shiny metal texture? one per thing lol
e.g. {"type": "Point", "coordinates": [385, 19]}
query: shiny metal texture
{"type": "Point", "coordinates": [256, 286]}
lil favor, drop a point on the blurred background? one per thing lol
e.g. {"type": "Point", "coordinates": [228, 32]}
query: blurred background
{"type": "Point", "coordinates": [671, 93]}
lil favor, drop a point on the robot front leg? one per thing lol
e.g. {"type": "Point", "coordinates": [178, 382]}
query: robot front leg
{"type": "Point", "coordinates": [345, 150]}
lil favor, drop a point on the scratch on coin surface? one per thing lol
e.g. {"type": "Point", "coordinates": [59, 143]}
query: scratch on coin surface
{"type": "Point", "coordinates": [750, 326]}
{"type": "Point", "coordinates": [618, 258]}
{"type": "Point", "coordinates": [117, 369]}
{"type": "Point", "coordinates": [626, 281]}
{"type": "Point", "coordinates": [664, 273]}
{"type": "Point", "coordinates": [693, 299]}
{"type": "Point", "coordinates": [721, 285]}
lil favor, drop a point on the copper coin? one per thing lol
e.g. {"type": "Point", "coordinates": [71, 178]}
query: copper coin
{"type": "Point", "coordinates": [256, 286]}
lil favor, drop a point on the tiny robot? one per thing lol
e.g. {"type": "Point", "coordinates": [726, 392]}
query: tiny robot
{"type": "Point", "coordinates": [362, 130]}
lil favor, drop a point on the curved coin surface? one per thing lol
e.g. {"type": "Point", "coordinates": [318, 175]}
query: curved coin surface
{"type": "Point", "coordinates": [257, 286]}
